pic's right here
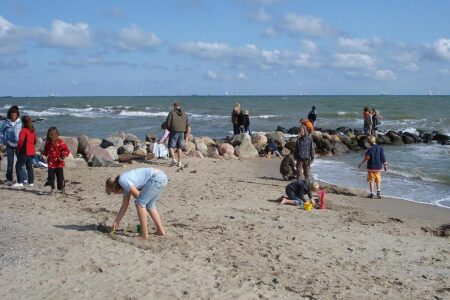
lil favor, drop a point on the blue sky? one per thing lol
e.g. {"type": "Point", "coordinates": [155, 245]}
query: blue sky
{"type": "Point", "coordinates": [250, 47]}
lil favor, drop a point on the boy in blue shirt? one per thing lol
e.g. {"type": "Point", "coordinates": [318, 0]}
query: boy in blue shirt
{"type": "Point", "coordinates": [375, 163]}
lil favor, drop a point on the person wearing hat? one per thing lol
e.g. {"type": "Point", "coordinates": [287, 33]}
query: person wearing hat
{"type": "Point", "coordinates": [178, 125]}
{"type": "Point", "coordinates": [145, 185]}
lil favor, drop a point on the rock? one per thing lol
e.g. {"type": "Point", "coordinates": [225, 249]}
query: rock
{"type": "Point", "coordinates": [408, 139]}
{"type": "Point", "coordinates": [201, 146]}
{"type": "Point", "coordinates": [127, 158]}
{"type": "Point", "coordinates": [345, 139]}
{"type": "Point", "coordinates": [340, 148]}
{"type": "Point", "coordinates": [323, 147]}
{"type": "Point", "coordinates": [96, 161]}
{"type": "Point", "coordinates": [74, 163]}
{"type": "Point", "coordinates": [117, 138]}
{"type": "Point", "coordinates": [330, 131]}
{"type": "Point", "coordinates": [225, 148]}
{"type": "Point", "coordinates": [195, 154]}
{"type": "Point", "coordinates": [98, 151]}
{"type": "Point", "coordinates": [351, 135]}
{"type": "Point", "coordinates": [326, 136]}
{"type": "Point", "coordinates": [105, 144]}
{"type": "Point", "coordinates": [139, 151]}
{"type": "Point", "coordinates": [95, 142]}
{"type": "Point", "coordinates": [344, 130]}
{"type": "Point", "coordinates": [294, 130]}
{"type": "Point", "coordinates": [190, 146]}
{"type": "Point", "coordinates": [209, 142]}
{"type": "Point", "coordinates": [383, 139]}
{"type": "Point", "coordinates": [40, 145]}
{"type": "Point", "coordinates": [426, 137]}
{"type": "Point", "coordinates": [259, 139]}
{"type": "Point", "coordinates": [396, 139]}
{"type": "Point", "coordinates": [71, 142]}
{"type": "Point", "coordinates": [413, 136]}
{"type": "Point", "coordinates": [278, 137]}
{"type": "Point", "coordinates": [126, 149]}
{"type": "Point", "coordinates": [150, 137]}
{"type": "Point", "coordinates": [281, 129]}
{"type": "Point", "coordinates": [212, 152]}
{"type": "Point", "coordinates": [442, 138]}
{"type": "Point", "coordinates": [238, 138]}
{"type": "Point", "coordinates": [112, 151]}
{"type": "Point", "coordinates": [335, 138]}
{"type": "Point", "coordinates": [131, 139]}
{"type": "Point", "coordinates": [316, 135]}
{"type": "Point", "coordinates": [83, 143]}
{"type": "Point", "coordinates": [358, 132]}
{"type": "Point", "coordinates": [246, 150]}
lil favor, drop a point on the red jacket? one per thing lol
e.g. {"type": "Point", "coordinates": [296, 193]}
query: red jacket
{"type": "Point", "coordinates": [56, 153]}
{"type": "Point", "coordinates": [27, 139]}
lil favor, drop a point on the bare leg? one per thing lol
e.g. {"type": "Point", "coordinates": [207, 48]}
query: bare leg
{"type": "Point", "coordinates": [157, 220]}
{"type": "Point", "coordinates": [171, 153]}
{"type": "Point", "coordinates": [378, 186]}
{"type": "Point", "coordinates": [286, 201]}
{"type": "Point", "coordinates": [371, 187]}
{"type": "Point", "coordinates": [180, 153]}
{"type": "Point", "coordinates": [142, 215]}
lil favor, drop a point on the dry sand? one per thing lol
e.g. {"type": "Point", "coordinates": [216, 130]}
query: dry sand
{"type": "Point", "coordinates": [226, 239]}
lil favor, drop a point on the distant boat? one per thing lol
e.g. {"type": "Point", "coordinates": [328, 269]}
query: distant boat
{"type": "Point", "coordinates": [430, 93]}
{"type": "Point", "coordinates": [51, 95]}
{"type": "Point", "coordinates": [226, 93]}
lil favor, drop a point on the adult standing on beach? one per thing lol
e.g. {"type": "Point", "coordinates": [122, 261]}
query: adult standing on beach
{"type": "Point", "coordinates": [312, 116]}
{"type": "Point", "coordinates": [9, 135]}
{"type": "Point", "coordinates": [304, 154]}
{"type": "Point", "coordinates": [236, 118]}
{"type": "Point", "coordinates": [178, 124]}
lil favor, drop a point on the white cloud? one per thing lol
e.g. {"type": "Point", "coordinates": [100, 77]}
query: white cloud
{"type": "Point", "coordinates": [444, 71]}
{"type": "Point", "coordinates": [260, 15]}
{"type": "Point", "coordinates": [441, 48]}
{"type": "Point", "coordinates": [355, 45]}
{"type": "Point", "coordinates": [245, 55]}
{"type": "Point", "coordinates": [385, 74]}
{"type": "Point", "coordinates": [133, 38]}
{"type": "Point", "coordinates": [309, 46]}
{"type": "Point", "coordinates": [353, 61]}
{"type": "Point", "coordinates": [14, 64]}
{"type": "Point", "coordinates": [5, 27]}
{"type": "Point", "coordinates": [66, 35]}
{"type": "Point", "coordinates": [241, 76]}
{"type": "Point", "coordinates": [212, 75]}
{"type": "Point", "coordinates": [308, 25]}
{"type": "Point", "coordinates": [114, 12]}
{"type": "Point", "coordinates": [270, 32]}
{"type": "Point", "coordinates": [204, 49]}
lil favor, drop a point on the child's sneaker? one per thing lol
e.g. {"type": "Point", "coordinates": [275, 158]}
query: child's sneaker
{"type": "Point", "coordinates": [8, 182]}
{"type": "Point", "coordinates": [370, 196]}
{"type": "Point", "coordinates": [31, 185]}
{"type": "Point", "coordinates": [173, 163]}
{"type": "Point", "coordinates": [17, 185]}
{"type": "Point", "coordinates": [379, 195]}
{"type": "Point", "coordinates": [180, 164]}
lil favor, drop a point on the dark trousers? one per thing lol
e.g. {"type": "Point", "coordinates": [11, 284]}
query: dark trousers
{"type": "Point", "coordinates": [236, 129]}
{"type": "Point", "coordinates": [26, 160]}
{"type": "Point", "coordinates": [59, 173]}
{"type": "Point", "coordinates": [10, 152]}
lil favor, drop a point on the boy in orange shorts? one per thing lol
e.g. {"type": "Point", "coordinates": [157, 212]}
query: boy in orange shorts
{"type": "Point", "coordinates": [375, 163]}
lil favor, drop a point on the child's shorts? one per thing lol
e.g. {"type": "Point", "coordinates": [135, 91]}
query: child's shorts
{"type": "Point", "coordinates": [374, 176]}
{"type": "Point", "coordinates": [151, 191]}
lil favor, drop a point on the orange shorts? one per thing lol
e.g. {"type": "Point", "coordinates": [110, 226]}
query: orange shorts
{"type": "Point", "coordinates": [374, 176]}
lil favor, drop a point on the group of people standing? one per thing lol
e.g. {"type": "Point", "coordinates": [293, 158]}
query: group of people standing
{"type": "Point", "coordinates": [19, 136]}
{"type": "Point", "coordinates": [240, 120]}
{"type": "Point", "coordinates": [371, 121]}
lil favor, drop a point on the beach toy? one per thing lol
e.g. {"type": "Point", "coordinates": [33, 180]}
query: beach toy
{"type": "Point", "coordinates": [308, 206]}
{"type": "Point", "coordinates": [321, 195]}
{"type": "Point", "coordinates": [139, 228]}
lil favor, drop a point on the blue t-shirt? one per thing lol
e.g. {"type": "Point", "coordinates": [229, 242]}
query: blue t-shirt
{"type": "Point", "coordinates": [136, 177]}
{"type": "Point", "coordinates": [375, 158]}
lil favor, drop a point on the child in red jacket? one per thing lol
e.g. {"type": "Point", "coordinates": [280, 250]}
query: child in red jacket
{"type": "Point", "coordinates": [25, 153]}
{"type": "Point", "coordinates": [56, 151]}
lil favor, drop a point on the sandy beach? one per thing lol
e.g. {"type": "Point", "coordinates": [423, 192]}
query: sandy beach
{"type": "Point", "coordinates": [227, 238]}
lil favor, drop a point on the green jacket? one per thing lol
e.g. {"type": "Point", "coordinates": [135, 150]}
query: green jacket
{"type": "Point", "coordinates": [177, 121]}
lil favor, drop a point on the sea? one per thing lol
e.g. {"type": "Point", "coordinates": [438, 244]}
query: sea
{"type": "Point", "coordinates": [418, 172]}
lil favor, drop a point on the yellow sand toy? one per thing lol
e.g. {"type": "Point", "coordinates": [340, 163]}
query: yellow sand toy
{"type": "Point", "coordinates": [308, 206]}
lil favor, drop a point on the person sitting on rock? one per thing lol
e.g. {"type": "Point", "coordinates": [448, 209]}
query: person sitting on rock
{"type": "Point", "coordinates": [296, 191]}
{"type": "Point", "coordinates": [271, 149]}
{"type": "Point", "coordinates": [287, 167]}
{"type": "Point", "coordinates": [304, 154]}
{"type": "Point", "coordinates": [145, 185]}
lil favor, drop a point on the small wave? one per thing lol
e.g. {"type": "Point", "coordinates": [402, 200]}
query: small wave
{"type": "Point", "coordinates": [128, 113]}
{"type": "Point", "coordinates": [264, 116]}
{"type": "Point", "coordinates": [206, 117]}
{"type": "Point", "coordinates": [44, 113]}
{"type": "Point", "coordinates": [8, 106]}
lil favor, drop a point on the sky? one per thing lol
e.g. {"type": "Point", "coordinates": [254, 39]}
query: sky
{"type": "Point", "coordinates": [217, 47]}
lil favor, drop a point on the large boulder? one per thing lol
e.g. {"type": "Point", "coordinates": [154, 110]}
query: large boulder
{"type": "Point", "coordinates": [408, 139]}
{"type": "Point", "coordinates": [98, 161]}
{"type": "Point", "coordinates": [131, 139]}
{"type": "Point", "coordinates": [278, 137]}
{"type": "Point", "coordinates": [246, 150]}
{"type": "Point", "coordinates": [281, 129]}
{"type": "Point", "coordinates": [117, 138]}
{"type": "Point", "coordinates": [141, 151]}
{"type": "Point", "coordinates": [396, 139]}
{"type": "Point", "coordinates": [340, 148]}
{"type": "Point", "coordinates": [383, 139]}
{"type": "Point", "coordinates": [294, 130]}
{"type": "Point", "coordinates": [98, 151]}
{"type": "Point", "coordinates": [344, 130]}
{"type": "Point", "coordinates": [323, 147]}
{"type": "Point", "coordinates": [40, 145]}
{"type": "Point", "coordinates": [95, 142]}
{"type": "Point", "coordinates": [200, 146]}
{"type": "Point", "coordinates": [209, 142]}
{"type": "Point", "coordinates": [195, 154]}
{"type": "Point", "coordinates": [239, 138]}
{"type": "Point", "coordinates": [112, 151]}
{"type": "Point", "coordinates": [212, 152]}
{"type": "Point", "coordinates": [83, 143]}
{"type": "Point", "coordinates": [106, 144]}
{"type": "Point", "coordinates": [413, 136]}
{"type": "Point", "coordinates": [225, 148]}
{"type": "Point", "coordinates": [441, 138]}
{"type": "Point", "coordinates": [150, 137]}
{"type": "Point", "coordinates": [190, 146]}
{"type": "Point", "coordinates": [316, 135]}
{"type": "Point", "coordinates": [72, 143]}
{"type": "Point", "coordinates": [259, 139]}
{"type": "Point", "coordinates": [126, 149]}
